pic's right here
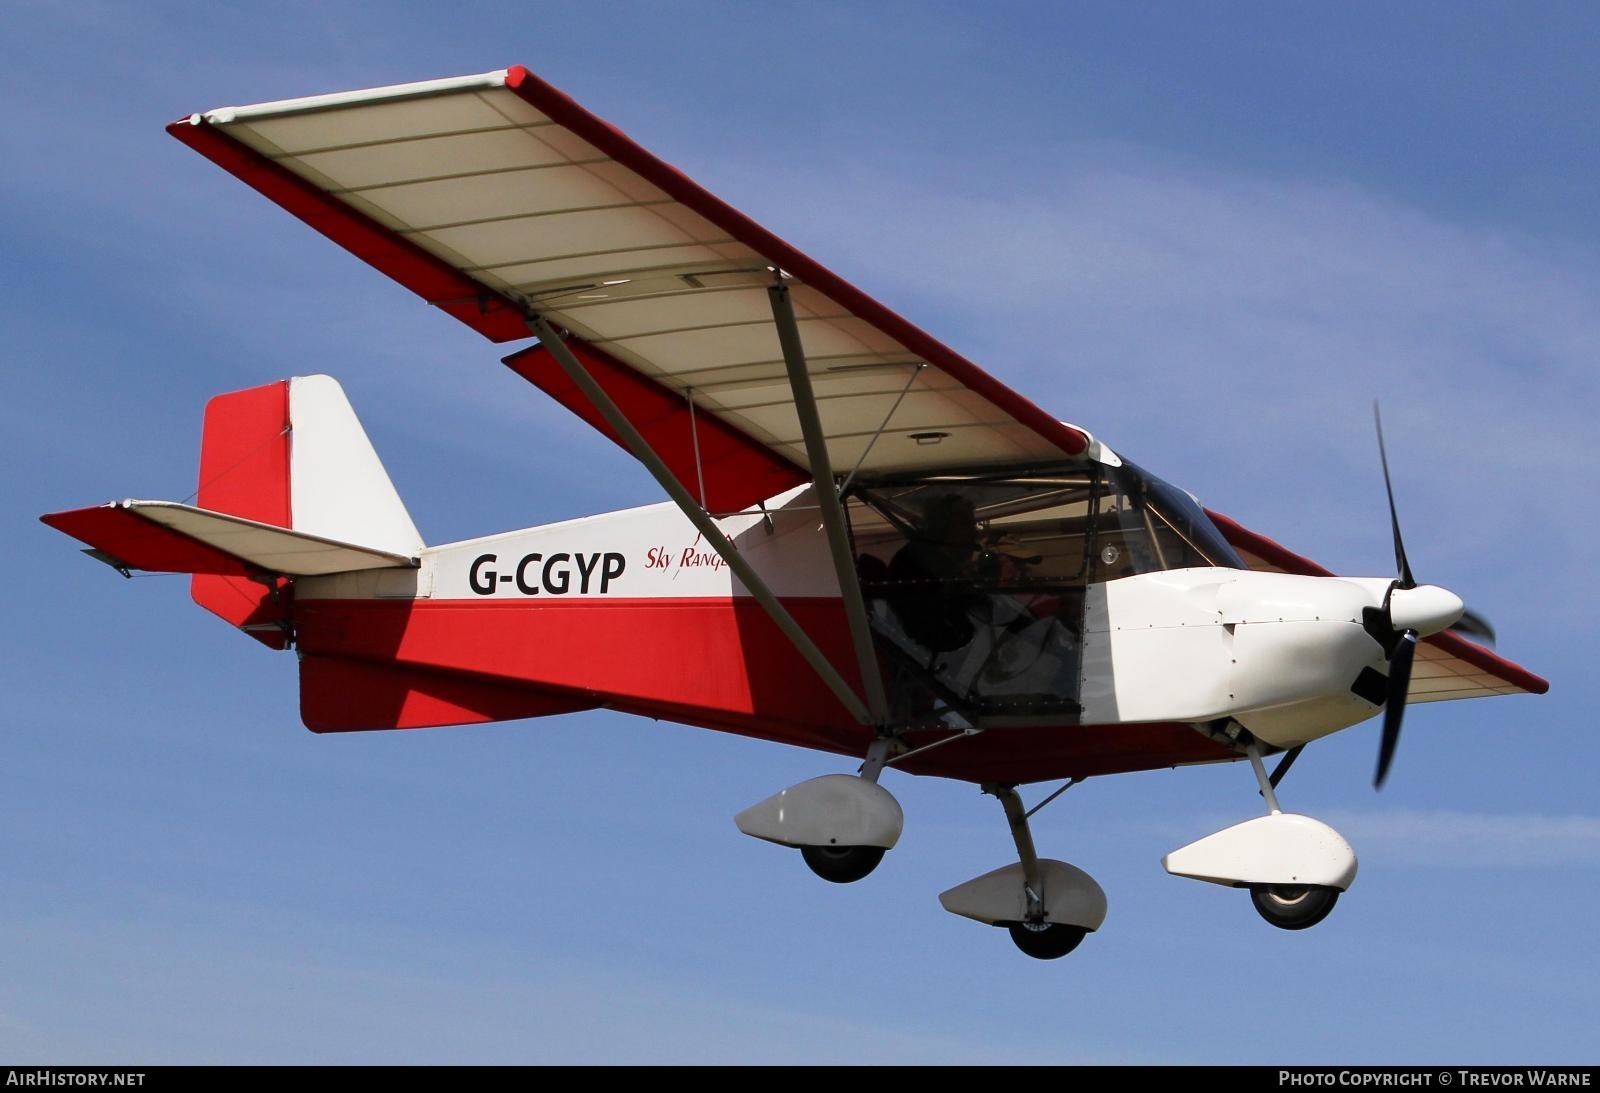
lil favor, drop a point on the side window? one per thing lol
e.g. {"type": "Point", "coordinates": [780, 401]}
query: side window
{"type": "Point", "coordinates": [975, 583]}
{"type": "Point", "coordinates": [974, 592]}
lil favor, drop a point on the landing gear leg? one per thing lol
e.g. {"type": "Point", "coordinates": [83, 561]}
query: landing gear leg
{"type": "Point", "coordinates": [1294, 866]}
{"type": "Point", "coordinates": [1038, 938]}
{"type": "Point", "coordinates": [1047, 906]}
{"type": "Point", "coordinates": [1286, 906]}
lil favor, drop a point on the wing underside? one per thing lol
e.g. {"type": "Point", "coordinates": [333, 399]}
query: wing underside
{"type": "Point", "coordinates": [496, 196]}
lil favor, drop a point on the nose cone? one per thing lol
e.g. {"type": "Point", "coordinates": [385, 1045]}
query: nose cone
{"type": "Point", "coordinates": [1427, 609]}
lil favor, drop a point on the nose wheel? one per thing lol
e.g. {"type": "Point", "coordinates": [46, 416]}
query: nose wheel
{"type": "Point", "coordinates": [1294, 866]}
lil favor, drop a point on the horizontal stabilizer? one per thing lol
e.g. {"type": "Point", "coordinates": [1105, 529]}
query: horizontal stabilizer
{"type": "Point", "coordinates": [166, 537]}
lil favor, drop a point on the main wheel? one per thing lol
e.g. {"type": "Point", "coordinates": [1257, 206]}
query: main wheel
{"type": "Point", "coordinates": [1046, 940]}
{"type": "Point", "coordinates": [842, 864]}
{"type": "Point", "coordinates": [1293, 906]}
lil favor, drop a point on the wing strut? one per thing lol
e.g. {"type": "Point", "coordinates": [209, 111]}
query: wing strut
{"type": "Point", "coordinates": [702, 520]}
{"type": "Point", "coordinates": [826, 490]}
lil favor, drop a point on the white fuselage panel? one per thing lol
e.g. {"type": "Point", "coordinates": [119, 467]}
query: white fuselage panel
{"type": "Point", "coordinates": [1277, 652]}
{"type": "Point", "coordinates": [652, 552]}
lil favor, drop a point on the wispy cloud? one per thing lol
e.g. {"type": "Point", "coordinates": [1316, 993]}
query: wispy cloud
{"type": "Point", "coordinates": [1230, 329]}
{"type": "Point", "coordinates": [1442, 838]}
{"type": "Point", "coordinates": [1473, 839]}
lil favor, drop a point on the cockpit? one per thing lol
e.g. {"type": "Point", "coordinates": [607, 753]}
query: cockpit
{"type": "Point", "coordinates": [975, 583]}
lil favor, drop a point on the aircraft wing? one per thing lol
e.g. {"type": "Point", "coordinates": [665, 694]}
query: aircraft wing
{"type": "Point", "coordinates": [494, 196]}
{"type": "Point", "coordinates": [1447, 664]}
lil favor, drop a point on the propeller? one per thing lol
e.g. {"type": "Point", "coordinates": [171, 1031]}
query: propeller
{"type": "Point", "coordinates": [1408, 611]}
{"type": "Point", "coordinates": [1403, 651]}
{"type": "Point", "coordinates": [1470, 624]}
{"type": "Point", "coordinates": [1400, 563]}
{"type": "Point", "coordinates": [1394, 710]}
{"type": "Point", "coordinates": [1475, 626]}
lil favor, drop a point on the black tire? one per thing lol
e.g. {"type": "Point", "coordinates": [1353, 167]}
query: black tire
{"type": "Point", "coordinates": [1293, 906]}
{"type": "Point", "coordinates": [842, 864]}
{"type": "Point", "coordinates": [1047, 941]}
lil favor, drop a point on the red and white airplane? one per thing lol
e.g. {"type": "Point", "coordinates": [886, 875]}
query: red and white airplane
{"type": "Point", "coordinates": [872, 547]}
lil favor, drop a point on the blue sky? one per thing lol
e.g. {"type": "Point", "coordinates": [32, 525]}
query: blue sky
{"type": "Point", "coordinates": [1210, 234]}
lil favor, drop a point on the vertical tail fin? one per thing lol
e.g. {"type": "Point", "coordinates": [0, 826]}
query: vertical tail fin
{"type": "Point", "coordinates": [338, 488]}
{"type": "Point", "coordinates": [292, 453]}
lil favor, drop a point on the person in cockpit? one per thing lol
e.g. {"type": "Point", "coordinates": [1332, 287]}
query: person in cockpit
{"type": "Point", "coordinates": [932, 590]}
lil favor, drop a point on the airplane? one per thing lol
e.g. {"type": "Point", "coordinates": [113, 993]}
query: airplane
{"type": "Point", "coordinates": [871, 546]}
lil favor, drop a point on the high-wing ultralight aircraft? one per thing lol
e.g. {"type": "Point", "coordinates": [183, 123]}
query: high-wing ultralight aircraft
{"type": "Point", "coordinates": [872, 547]}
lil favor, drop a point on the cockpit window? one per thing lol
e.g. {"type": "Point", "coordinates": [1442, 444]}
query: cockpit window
{"type": "Point", "coordinates": [1166, 523]}
{"type": "Point", "coordinates": [975, 583]}
{"type": "Point", "coordinates": [1070, 528]}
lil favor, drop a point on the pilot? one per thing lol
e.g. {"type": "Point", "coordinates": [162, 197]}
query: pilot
{"type": "Point", "coordinates": [932, 590]}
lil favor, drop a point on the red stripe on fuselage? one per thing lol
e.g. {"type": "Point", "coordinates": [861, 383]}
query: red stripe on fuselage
{"type": "Point", "coordinates": [712, 662]}
{"type": "Point", "coordinates": [721, 655]}
{"type": "Point", "coordinates": [338, 694]}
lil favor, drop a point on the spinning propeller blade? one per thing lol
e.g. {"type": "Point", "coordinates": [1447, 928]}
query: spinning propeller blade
{"type": "Point", "coordinates": [1404, 567]}
{"type": "Point", "coordinates": [1475, 626]}
{"type": "Point", "coordinates": [1394, 710]}
{"type": "Point", "coordinates": [1403, 651]}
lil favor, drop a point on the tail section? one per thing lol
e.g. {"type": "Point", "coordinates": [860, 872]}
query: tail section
{"type": "Point", "coordinates": [289, 486]}
{"type": "Point", "coordinates": [244, 471]}
{"type": "Point", "coordinates": [245, 455]}
{"type": "Point", "coordinates": [293, 454]}
{"type": "Point", "coordinates": [338, 488]}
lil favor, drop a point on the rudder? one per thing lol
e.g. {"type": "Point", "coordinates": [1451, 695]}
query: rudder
{"type": "Point", "coordinates": [292, 454]}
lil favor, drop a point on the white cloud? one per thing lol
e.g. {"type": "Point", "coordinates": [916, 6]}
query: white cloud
{"type": "Point", "coordinates": [1230, 330]}
{"type": "Point", "coordinates": [1472, 839]}
{"type": "Point", "coordinates": [1440, 838]}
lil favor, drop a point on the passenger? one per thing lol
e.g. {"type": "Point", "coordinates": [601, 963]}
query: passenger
{"type": "Point", "coordinates": [932, 589]}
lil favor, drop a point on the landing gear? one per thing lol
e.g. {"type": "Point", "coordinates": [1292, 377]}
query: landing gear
{"type": "Point", "coordinates": [1293, 906]}
{"type": "Point", "coordinates": [842, 824]}
{"type": "Point", "coordinates": [1046, 941]}
{"type": "Point", "coordinates": [842, 864]}
{"type": "Point", "coordinates": [1294, 866]}
{"type": "Point", "coordinates": [1047, 906]}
